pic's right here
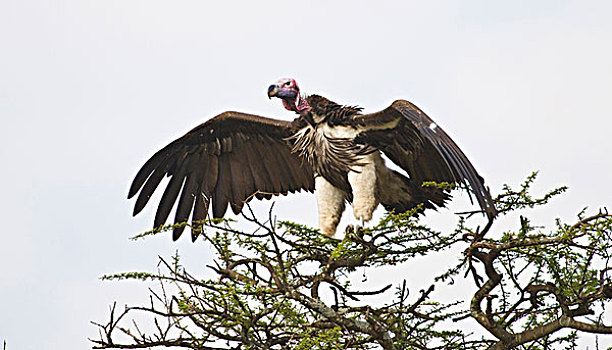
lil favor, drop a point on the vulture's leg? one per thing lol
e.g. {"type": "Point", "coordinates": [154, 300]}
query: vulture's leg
{"type": "Point", "coordinates": [330, 201]}
{"type": "Point", "coordinates": [363, 182]}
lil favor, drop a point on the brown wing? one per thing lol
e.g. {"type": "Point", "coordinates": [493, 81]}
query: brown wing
{"type": "Point", "coordinates": [412, 140]}
{"type": "Point", "coordinates": [229, 159]}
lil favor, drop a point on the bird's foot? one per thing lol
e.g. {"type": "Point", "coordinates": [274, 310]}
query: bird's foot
{"type": "Point", "coordinates": [359, 231]}
{"type": "Point", "coordinates": [349, 229]}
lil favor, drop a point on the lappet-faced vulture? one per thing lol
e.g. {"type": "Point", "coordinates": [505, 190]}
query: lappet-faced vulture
{"type": "Point", "coordinates": [332, 149]}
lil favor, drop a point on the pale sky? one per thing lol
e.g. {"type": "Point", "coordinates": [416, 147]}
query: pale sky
{"type": "Point", "coordinates": [89, 89]}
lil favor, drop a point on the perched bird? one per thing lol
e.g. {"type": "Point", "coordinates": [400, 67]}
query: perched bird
{"type": "Point", "coordinates": [332, 149]}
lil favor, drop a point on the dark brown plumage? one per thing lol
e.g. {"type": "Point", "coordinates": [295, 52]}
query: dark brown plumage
{"type": "Point", "coordinates": [234, 157]}
{"type": "Point", "coordinates": [227, 159]}
{"type": "Point", "coordinates": [423, 149]}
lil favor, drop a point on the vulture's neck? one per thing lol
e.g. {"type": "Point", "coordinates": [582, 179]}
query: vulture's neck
{"type": "Point", "coordinates": [302, 106]}
{"type": "Point", "coordinates": [299, 105]}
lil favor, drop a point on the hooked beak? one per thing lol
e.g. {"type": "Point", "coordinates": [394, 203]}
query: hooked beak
{"type": "Point", "coordinates": [272, 90]}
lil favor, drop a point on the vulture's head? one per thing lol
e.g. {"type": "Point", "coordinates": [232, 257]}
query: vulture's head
{"type": "Point", "coordinates": [288, 91]}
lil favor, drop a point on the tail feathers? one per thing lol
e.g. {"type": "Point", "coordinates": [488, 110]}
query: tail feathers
{"type": "Point", "coordinates": [403, 195]}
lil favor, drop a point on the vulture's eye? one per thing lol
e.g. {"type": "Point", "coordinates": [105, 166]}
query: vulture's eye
{"type": "Point", "coordinates": [288, 83]}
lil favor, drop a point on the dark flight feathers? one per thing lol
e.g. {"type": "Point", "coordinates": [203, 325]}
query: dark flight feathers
{"type": "Point", "coordinates": [228, 159]}
{"type": "Point", "coordinates": [421, 148]}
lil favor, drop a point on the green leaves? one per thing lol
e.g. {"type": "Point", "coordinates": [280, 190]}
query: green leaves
{"type": "Point", "coordinates": [285, 286]}
{"type": "Point", "coordinates": [511, 200]}
{"type": "Point", "coordinates": [536, 282]}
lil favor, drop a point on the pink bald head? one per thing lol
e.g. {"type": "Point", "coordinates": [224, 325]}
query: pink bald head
{"type": "Point", "coordinates": [288, 91]}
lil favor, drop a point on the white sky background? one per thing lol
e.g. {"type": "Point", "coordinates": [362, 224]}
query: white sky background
{"type": "Point", "coordinates": [90, 89]}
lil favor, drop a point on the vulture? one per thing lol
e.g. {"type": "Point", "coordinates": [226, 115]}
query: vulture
{"type": "Point", "coordinates": [334, 150]}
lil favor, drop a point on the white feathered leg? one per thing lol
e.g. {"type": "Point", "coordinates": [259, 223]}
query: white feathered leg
{"type": "Point", "coordinates": [363, 184]}
{"type": "Point", "coordinates": [330, 201]}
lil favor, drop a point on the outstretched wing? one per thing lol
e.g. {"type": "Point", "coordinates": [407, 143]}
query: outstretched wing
{"type": "Point", "coordinates": [412, 140]}
{"type": "Point", "coordinates": [229, 159]}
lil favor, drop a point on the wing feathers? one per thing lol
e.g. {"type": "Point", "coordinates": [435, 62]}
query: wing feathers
{"type": "Point", "coordinates": [418, 145]}
{"type": "Point", "coordinates": [226, 159]}
{"type": "Point", "coordinates": [148, 189]}
{"type": "Point", "coordinates": [211, 175]}
{"type": "Point", "coordinates": [281, 167]}
{"type": "Point", "coordinates": [257, 170]}
{"type": "Point", "coordinates": [199, 214]}
{"type": "Point", "coordinates": [295, 176]}
{"type": "Point", "coordinates": [223, 189]}
{"type": "Point", "coordinates": [188, 195]}
{"type": "Point", "coordinates": [267, 162]}
{"type": "Point", "coordinates": [169, 197]}
{"type": "Point", "coordinates": [150, 166]}
{"type": "Point", "coordinates": [242, 181]}
{"type": "Point", "coordinates": [204, 192]}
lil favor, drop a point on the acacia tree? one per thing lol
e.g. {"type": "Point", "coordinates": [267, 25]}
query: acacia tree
{"type": "Point", "coordinates": [532, 288]}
